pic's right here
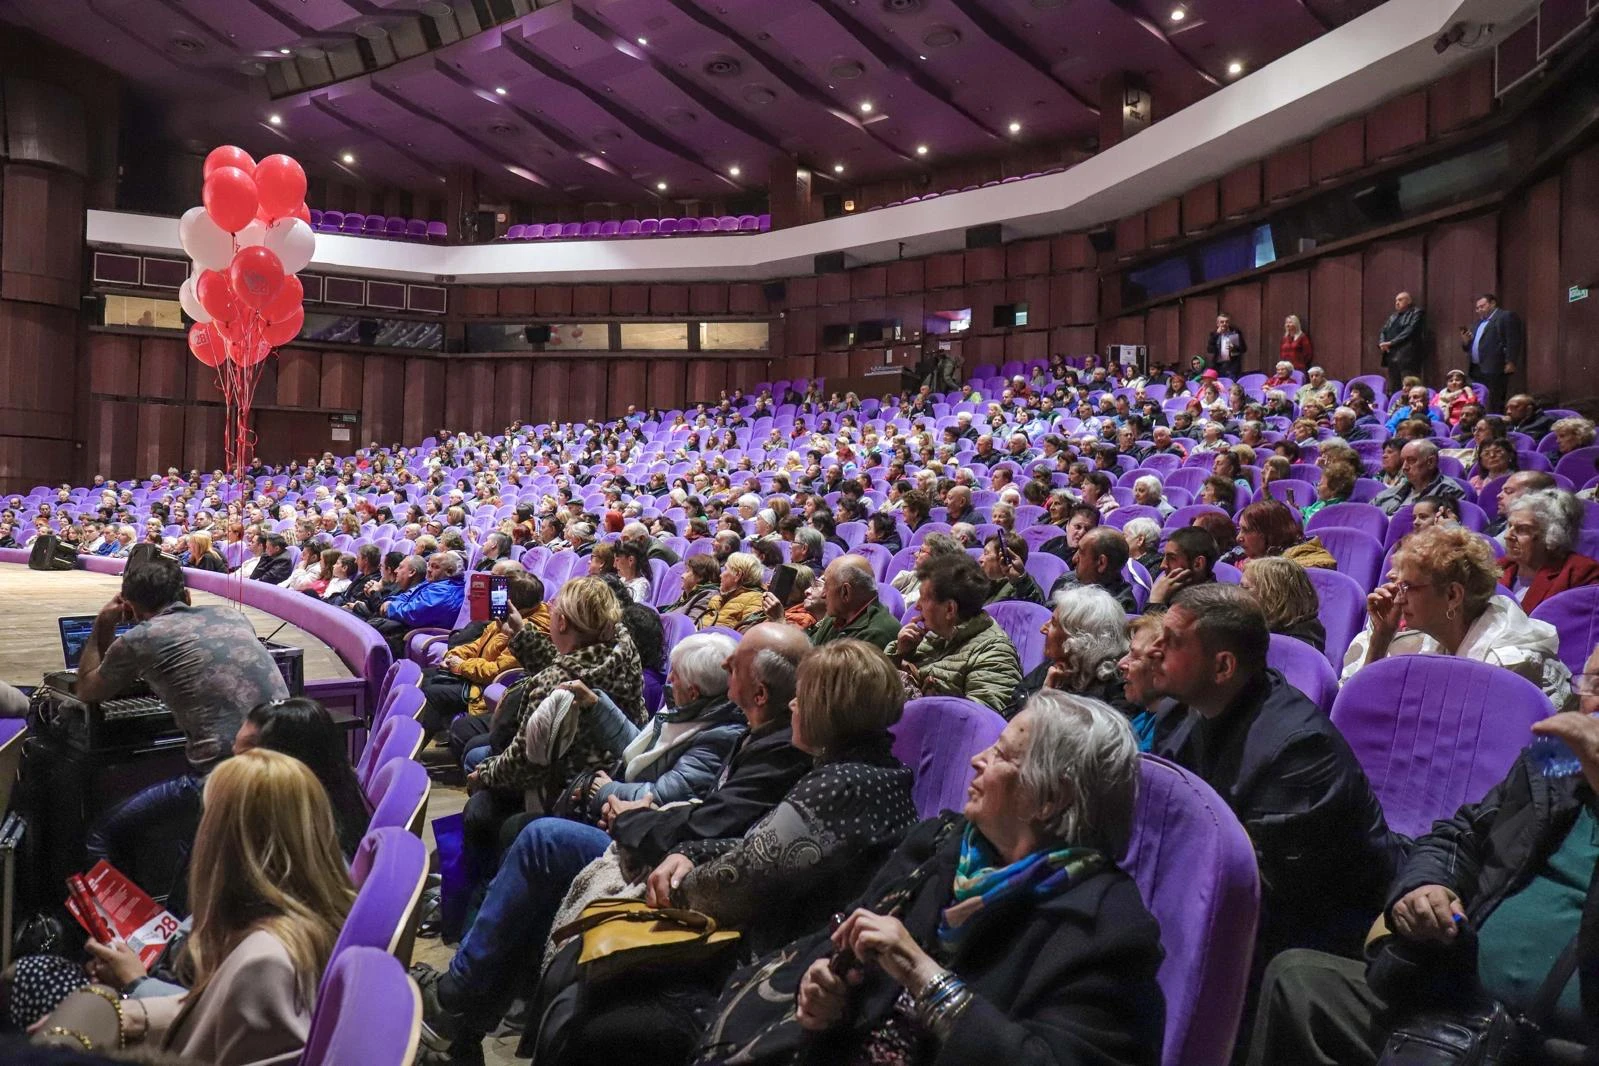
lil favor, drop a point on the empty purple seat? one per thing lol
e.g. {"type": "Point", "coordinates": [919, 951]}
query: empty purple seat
{"type": "Point", "coordinates": [416, 229]}
{"type": "Point", "coordinates": [589, 229]}
{"type": "Point", "coordinates": [353, 223]}
{"type": "Point", "coordinates": [936, 737]}
{"type": "Point", "coordinates": [710, 225]}
{"type": "Point", "coordinates": [389, 870]}
{"type": "Point", "coordinates": [373, 227]}
{"type": "Point", "coordinates": [400, 737]}
{"type": "Point", "coordinates": [630, 228]}
{"type": "Point", "coordinates": [1435, 731]}
{"type": "Point", "coordinates": [1359, 554]}
{"type": "Point", "coordinates": [649, 227]}
{"type": "Point", "coordinates": [764, 222]}
{"type": "Point", "coordinates": [727, 224]}
{"type": "Point", "coordinates": [1343, 610]}
{"type": "Point", "coordinates": [316, 219]}
{"type": "Point", "coordinates": [1195, 867]}
{"type": "Point", "coordinates": [667, 227]}
{"type": "Point", "coordinates": [332, 221]}
{"type": "Point", "coordinates": [1575, 613]}
{"type": "Point", "coordinates": [394, 227]}
{"type": "Point", "coordinates": [1361, 516]}
{"type": "Point", "coordinates": [1305, 668]}
{"type": "Point", "coordinates": [363, 984]}
{"type": "Point", "coordinates": [1007, 181]}
{"type": "Point", "coordinates": [1046, 569]}
{"type": "Point", "coordinates": [610, 227]}
{"type": "Point", "coordinates": [517, 232]}
{"type": "Point", "coordinates": [572, 229]}
{"type": "Point", "coordinates": [1023, 623]}
{"type": "Point", "coordinates": [911, 200]}
{"type": "Point", "coordinates": [438, 231]}
{"type": "Point", "coordinates": [552, 231]}
{"type": "Point", "coordinates": [748, 223]}
{"type": "Point", "coordinates": [533, 231]}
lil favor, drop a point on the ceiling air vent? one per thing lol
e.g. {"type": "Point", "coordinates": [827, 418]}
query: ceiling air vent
{"type": "Point", "coordinates": [723, 67]}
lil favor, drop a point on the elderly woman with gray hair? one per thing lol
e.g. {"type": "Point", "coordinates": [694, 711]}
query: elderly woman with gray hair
{"type": "Point", "coordinates": [1006, 933]}
{"type": "Point", "coordinates": [1540, 542]}
{"type": "Point", "coordinates": [1084, 639]}
{"type": "Point", "coordinates": [1143, 542]}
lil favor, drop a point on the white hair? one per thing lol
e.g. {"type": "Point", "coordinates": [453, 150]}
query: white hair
{"type": "Point", "coordinates": [1559, 515]}
{"type": "Point", "coordinates": [1145, 528]}
{"type": "Point", "coordinates": [1149, 483]}
{"type": "Point", "coordinates": [750, 500]}
{"type": "Point", "coordinates": [1096, 633]}
{"type": "Point", "coordinates": [1082, 760]}
{"type": "Point", "coordinates": [698, 660]}
{"type": "Point", "coordinates": [634, 532]}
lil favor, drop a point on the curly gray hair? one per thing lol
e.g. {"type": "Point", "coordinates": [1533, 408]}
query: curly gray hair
{"type": "Point", "coordinates": [1559, 515]}
{"type": "Point", "coordinates": [1096, 634]}
{"type": "Point", "coordinates": [1081, 764]}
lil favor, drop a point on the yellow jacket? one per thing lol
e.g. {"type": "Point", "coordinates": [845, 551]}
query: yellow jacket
{"type": "Point", "coordinates": [489, 656]}
{"type": "Point", "coordinates": [738, 611]}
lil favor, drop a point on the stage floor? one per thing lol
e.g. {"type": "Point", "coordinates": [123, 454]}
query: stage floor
{"type": "Point", "coordinates": [32, 600]}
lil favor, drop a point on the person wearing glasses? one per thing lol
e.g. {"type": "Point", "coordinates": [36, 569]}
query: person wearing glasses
{"type": "Point", "coordinates": [1442, 588]}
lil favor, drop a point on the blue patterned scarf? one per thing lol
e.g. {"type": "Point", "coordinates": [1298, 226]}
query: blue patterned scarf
{"type": "Point", "coordinates": [981, 882]}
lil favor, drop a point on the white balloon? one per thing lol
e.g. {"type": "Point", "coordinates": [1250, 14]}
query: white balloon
{"type": "Point", "coordinates": [208, 244]}
{"type": "Point", "coordinates": [292, 241]}
{"type": "Point", "coordinates": [252, 234]}
{"type": "Point", "coordinates": [190, 302]}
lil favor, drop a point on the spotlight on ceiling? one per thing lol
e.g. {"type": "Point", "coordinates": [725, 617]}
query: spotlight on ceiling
{"type": "Point", "coordinates": [660, 186]}
{"type": "Point", "coordinates": [347, 158]}
{"type": "Point", "coordinates": [1178, 14]}
{"type": "Point", "coordinates": [643, 41]}
{"type": "Point", "coordinates": [838, 168]}
{"type": "Point", "coordinates": [276, 120]}
{"type": "Point", "coordinates": [283, 51]}
{"type": "Point", "coordinates": [1016, 127]}
{"type": "Point", "coordinates": [866, 107]}
{"type": "Point", "coordinates": [499, 90]}
{"type": "Point", "coordinates": [1235, 68]}
{"type": "Point", "coordinates": [921, 149]}
{"type": "Point", "coordinates": [734, 170]}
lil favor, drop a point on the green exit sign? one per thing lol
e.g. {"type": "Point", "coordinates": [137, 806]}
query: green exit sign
{"type": "Point", "coordinates": [1575, 293]}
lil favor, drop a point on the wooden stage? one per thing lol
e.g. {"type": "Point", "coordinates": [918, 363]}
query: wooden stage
{"type": "Point", "coordinates": [32, 600]}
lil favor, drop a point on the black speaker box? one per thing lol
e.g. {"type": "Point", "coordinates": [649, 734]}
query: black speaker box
{"type": "Point", "coordinates": [775, 291]}
{"type": "Point", "coordinates": [50, 554]}
{"type": "Point", "coordinates": [989, 236]}
{"type": "Point", "coordinates": [1102, 239]}
{"type": "Point", "coordinates": [537, 334]}
{"type": "Point", "coordinates": [830, 263]}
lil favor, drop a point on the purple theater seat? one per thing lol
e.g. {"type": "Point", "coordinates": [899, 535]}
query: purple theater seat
{"type": "Point", "coordinates": [727, 224]}
{"type": "Point", "coordinates": [365, 984]}
{"type": "Point", "coordinates": [517, 232]}
{"type": "Point", "coordinates": [416, 230]}
{"type": "Point", "coordinates": [1575, 613]}
{"type": "Point", "coordinates": [389, 870]}
{"type": "Point", "coordinates": [1023, 623]}
{"type": "Point", "coordinates": [1044, 568]}
{"type": "Point", "coordinates": [1361, 516]}
{"type": "Point", "coordinates": [1435, 731]}
{"type": "Point", "coordinates": [399, 737]}
{"type": "Point", "coordinates": [316, 219]}
{"type": "Point", "coordinates": [668, 227]}
{"type": "Point", "coordinates": [394, 228]}
{"type": "Point", "coordinates": [649, 227]}
{"type": "Point", "coordinates": [1578, 464]}
{"type": "Point", "coordinates": [1007, 181]}
{"type": "Point", "coordinates": [1304, 492]}
{"type": "Point", "coordinates": [332, 221]}
{"type": "Point", "coordinates": [630, 228]}
{"type": "Point", "coordinates": [1305, 668]}
{"type": "Point", "coordinates": [1195, 868]}
{"type": "Point", "coordinates": [1343, 611]}
{"type": "Point", "coordinates": [399, 796]}
{"type": "Point", "coordinates": [372, 227]}
{"type": "Point", "coordinates": [1359, 554]}
{"type": "Point", "coordinates": [676, 627]}
{"type": "Point", "coordinates": [764, 222]}
{"type": "Point", "coordinates": [589, 229]}
{"type": "Point", "coordinates": [936, 737]}
{"type": "Point", "coordinates": [610, 228]}
{"type": "Point", "coordinates": [552, 231]}
{"type": "Point", "coordinates": [726, 631]}
{"type": "Point", "coordinates": [572, 229]}
{"type": "Point", "coordinates": [748, 224]}
{"type": "Point", "coordinates": [534, 231]}
{"type": "Point", "coordinates": [438, 231]}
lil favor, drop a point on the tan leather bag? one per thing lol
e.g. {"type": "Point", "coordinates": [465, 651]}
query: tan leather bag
{"type": "Point", "coordinates": [622, 936]}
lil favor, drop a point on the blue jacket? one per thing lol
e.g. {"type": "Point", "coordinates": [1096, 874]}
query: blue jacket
{"type": "Point", "coordinates": [432, 603]}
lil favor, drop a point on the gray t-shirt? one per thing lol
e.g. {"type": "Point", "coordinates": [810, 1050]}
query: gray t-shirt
{"type": "Point", "coordinates": [208, 668]}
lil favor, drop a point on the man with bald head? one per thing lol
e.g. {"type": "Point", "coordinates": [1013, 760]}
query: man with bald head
{"type": "Point", "coordinates": [1516, 486]}
{"type": "Point", "coordinates": [847, 594]}
{"type": "Point", "coordinates": [1400, 341]}
{"type": "Point", "coordinates": [1418, 460]}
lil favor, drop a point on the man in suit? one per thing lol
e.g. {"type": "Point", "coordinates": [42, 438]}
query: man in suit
{"type": "Point", "coordinates": [275, 565]}
{"type": "Point", "coordinates": [1495, 345]}
{"type": "Point", "coordinates": [1400, 341]}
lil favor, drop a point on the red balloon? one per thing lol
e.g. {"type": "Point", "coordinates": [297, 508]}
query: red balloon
{"type": "Point", "coordinates": [249, 354]}
{"type": "Point", "coordinates": [303, 213]}
{"type": "Point", "coordinates": [281, 184]}
{"type": "Point", "coordinates": [284, 331]}
{"type": "Point", "coordinates": [230, 198]}
{"type": "Point", "coordinates": [257, 275]}
{"type": "Point", "coordinates": [228, 155]}
{"type": "Point", "coordinates": [286, 302]}
{"type": "Point", "coordinates": [216, 295]}
{"type": "Point", "coordinates": [206, 344]}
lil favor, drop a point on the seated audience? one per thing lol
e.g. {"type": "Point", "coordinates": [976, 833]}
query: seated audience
{"type": "Point", "coordinates": [906, 582]}
{"type": "Point", "coordinates": [953, 647]}
{"type": "Point", "coordinates": [737, 603]}
{"type": "Point", "coordinates": [1268, 528]}
{"type": "Point", "coordinates": [1085, 637]}
{"type": "Point", "coordinates": [344, 571]}
{"type": "Point", "coordinates": [1102, 556]}
{"type": "Point", "coordinates": [1051, 810]}
{"type": "Point", "coordinates": [1337, 484]}
{"type": "Point", "coordinates": [1004, 562]}
{"type": "Point", "coordinates": [1524, 415]}
{"type": "Point", "coordinates": [1541, 559]}
{"type": "Point", "coordinates": [1080, 519]}
{"type": "Point", "coordinates": [631, 563]}
{"type": "Point", "coordinates": [848, 605]}
{"type": "Point", "coordinates": [275, 565]}
{"type": "Point", "coordinates": [456, 686]}
{"type": "Point", "coordinates": [883, 529]}
{"type": "Point", "coordinates": [1522, 481]}
{"type": "Point", "coordinates": [1325, 852]}
{"type": "Point", "coordinates": [202, 556]}
{"type": "Point", "coordinates": [1189, 558]}
{"type": "Point", "coordinates": [1439, 600]}
{"type": "Point", "coordinates": [304, 729]}
{"type": "Point", "coordinates": [435, 602]}
{"type": "Point", "coordinates": [1452, 399]}
{"type": "Point", "coordinates": [1143, 542]}
{"type": "Point", "coordinates": [1571, 434]}
{"type": "Point", "coordinates": [1418, 461]}
{"type": "Point", "coordinates": [1495, 459]}
{"type": "Point", "coordinates": [701, 576]}
{"type": "Point", "coordinates": [1287, 599]}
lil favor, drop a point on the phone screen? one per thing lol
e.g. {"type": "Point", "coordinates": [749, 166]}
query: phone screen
{"type": "Point", "coordinates": [499, 596]}
{"type": "Point", "coordinates": [782, 582]}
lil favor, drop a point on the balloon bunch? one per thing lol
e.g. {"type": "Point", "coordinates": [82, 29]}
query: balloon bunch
{"type": "Point", "coordinates": [248, 241]}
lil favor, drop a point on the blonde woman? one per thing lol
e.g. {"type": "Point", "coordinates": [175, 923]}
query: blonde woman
{"type": "Point", "coordinates": [269, 890]}
{"type": "Point", "coordinates": [1287, 598]}
{"type": "Point", "coordinates": [738, 604]}
{"type": "Point", "coordinates": [202, 556]}
{"type": "Point", "coordinates": [1295, 349]}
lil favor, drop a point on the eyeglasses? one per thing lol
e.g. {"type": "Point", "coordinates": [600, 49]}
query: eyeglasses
{"type": "Point", "coordinates": [1406, 587]}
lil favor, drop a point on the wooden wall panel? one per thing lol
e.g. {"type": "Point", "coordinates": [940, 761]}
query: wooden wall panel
{"type": "Point", "coordinates": [1529, 237]}
{"type": "Point", "coordinates": [553, 300]}
{"type": "Point", "coordinates": [627, 383]}
{"type": "Point", "coordinates": [1074, 298]}
{"type": "Point", "coordinates": [513, 391]}
{"type": "Point", "coordinates": [803, 292]}
{"type": "Point", "coordinates": [1389, 267]}
{"type": "Point", "coordinates": [747, 373]}
{"type": "Point", "coordinates": [586, 395]}
{"type": "Point", "coordinates": [551, 384]}
{"type": "Point", "coordinates": [1196, 322]}
{"type": "Point", "coordinates": [1287, 171]}
{"type": "Point", "coordinates": [665, 384]}
{"type": "Point", "coordinates": [41, 222]}
{"type": "Point", "coordinates": [158, 439]}
{"type": "Point", "coordinates": [707, 378]}
{"type": "Point", "coordinates": [946, 271]}
{"type": "Point", "coordinates": [1164, 222]}
{"type": "Point", "coordinates": [707, 299]}
{"type": "Point", "coordinates": [907, 276]}
{"type": "Point", "coordinates": [469, 394]}
{"type": "Point", "coordinates": [518, 301]}
{"type": "Point", "coordinates": [1162, 334]}
{"type": "Point", "coordinates": [1242, 302]}
{"type": "Point", "coordinates": [588, 300]}
{"type": "Point", "coordinates": [38, 393]}
{"type": "Point", "coordinates": [1397, 125]}
{"type": "Point", "coordinates": [832, 289]}
{"type": "Point", "coordinates": [1338, 150]}
{"type": "Point", "coordinates": [800, 368]}
{"type": "Point", "coordinates": [115, 425]}
{"type": "Point", "coordinates": [1335, 310]}
{"type": "Point", "coordinates": [476, 301]}
{"type": "Point", "coordinates": [802, 331]}
{"type": "Point", "coordinates": [630, 299]}
{"type": "Point", "coordinates": [1027, 258]}
{"type": "Point", "coordinates": [341, 381]}
{"type": "Point", "coordinates": [1073, 340]}
{"type": "Point", "coordinates": [1201, 207]}
{"type": "Point", "coordinates": [1072, 251]}
{"type": "Point", "coordinates": [1129, 329]}
{"type": "Point", "coordinates": [1579, 252]}
{"type": "Point", "coordinates": [299, 378]}
{"type": "Point", "coordinates": [424, 399]}
{"type": "Point", "coordinates": [831, 365]}
{"type": "Point", "coordinates": [1284, 293]}
{"type": "Point", "coordinates": [163, 369]}
{"type": "Point", "coordinates": [984, 264]}
{"type": "Point", "coordinates": [113, 360]}
{"type": "Point", "coordinates": [1461, 98]}
{"type": "Point", "coordinates": [28, 461]}
{"type": "Point", "coordinates": [863, 359]}
{"type": "Point", "coordinates": [1241, 190]}
{"type": "Point", "coordinates": [868, 283]}
{"type": "Point", "coordinates": [1035, 293]}
{"type": "Point", "coordinates": [1023, 346]}
{"type": "Point", "coordinates": [1462, 263]}
{"type": "Point", "coordinates": [1131, 235]}
{"type": "Point", "coordinates": [204, 383]}
{"type": "Point", "coordinates": [203, 438]}
{"type": "Point", "coordinates": [746, 298]}
{"type": "Point", "coordinates": [383, 399]}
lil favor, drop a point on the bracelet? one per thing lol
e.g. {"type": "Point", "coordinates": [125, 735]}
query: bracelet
{"type": "Point", "coordinates": [935, 990]}
{"type": "Point", "coordinates": [942, 1023]}
{"type": "Point", "coordinates": [59, 1030]}
{"type": "Point", "coordinates": [116, 1004]}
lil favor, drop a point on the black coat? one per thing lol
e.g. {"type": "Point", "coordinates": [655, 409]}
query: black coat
{"type": "Point", "coordinates": [1325, 852]}
{"type": "Point", "coordinates": [1502, 342]}
{"type": "Point", "coordinates": [1404, 332]}
{"type": "Point", "coordinates": [1069, 979]}
{"type": "Point", "coordinates": [274, 570]}
{"type": "Point", "coordinates": [759, 773]}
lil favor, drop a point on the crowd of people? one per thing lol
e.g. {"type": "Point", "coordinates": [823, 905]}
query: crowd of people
{"type": "Point", "coordinates": [720, 614]}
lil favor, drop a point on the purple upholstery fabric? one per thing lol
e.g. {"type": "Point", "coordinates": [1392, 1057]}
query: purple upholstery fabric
{"type": "Point", "coordinates": [1305, 668]}
{"type": "Point", "coordinates": [1343, 611]}
{"type": "Point", "coordinates": [1361, 516]}
{"type": "Point", "coordinates": [936, 737]}
{"type": "Point", "coordinates": [365, 984]}
{"type": "Point", "coordinates": [1435, 731]}
{"type": "Point", "coordinates": [1575, 613]}
{"type": "Point", "coordinates": [389, 870]}
{"type": "Point", "coordinates": [1196, 869]}
{"type": "Point", "coordinates": [1022, 623]}
{"type": "Point", "coordinates": [399, 737]}
{"type": "Point", "coordinates": [398, 795]}
{"type": "Point", "coordinates": [1359, 554]}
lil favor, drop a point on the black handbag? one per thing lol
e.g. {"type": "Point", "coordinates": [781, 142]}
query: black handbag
{"type": "Point", "coordinates": [1491, 1036]}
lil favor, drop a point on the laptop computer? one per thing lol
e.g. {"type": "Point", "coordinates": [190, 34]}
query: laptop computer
{"type": "Point", "coordinates": [76, 630]}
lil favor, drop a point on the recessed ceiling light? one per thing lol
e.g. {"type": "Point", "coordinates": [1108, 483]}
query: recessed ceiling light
{"type": "Point", "coordinates": [660, 186]}
{"type": "Point", "coordinates": [643, 40]}
{"type": "Point", "coordinates": [499, 90]}
{"type": "Point", "coordinates": [838, 168]}
{"type": "Point", "coordinates": [734, 170]}
{"type": "Point", "coordinates": [276, 120]}
{"type": "Point", "coordinates": [921, 149]}
{"type": "Point", "coordinates": [866, 107]}
{"type": "Point", "coordinates": [283, 51]}
{"type": "Point", "coordinates": [1016, 127]}
{"type": "Point", "coordinates": [922, 58]}
{"type": "Point", "coordinates": [1178, 14]}
{"type": "Point", "coordinates": [348, 158]}
{"type": "Point", "coordinates": [1235, 68]}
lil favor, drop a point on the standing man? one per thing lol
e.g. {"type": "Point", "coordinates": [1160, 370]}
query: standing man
{"type": "Point", "coordinates": [1400, 341]}
{"type": "Point", "coordinates": [1495, 346]}
{"type": "Point", "coordinates": [1225, 346]}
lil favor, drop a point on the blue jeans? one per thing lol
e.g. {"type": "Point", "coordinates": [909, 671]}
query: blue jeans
{"type": "Point", "coordinates": [515, 919]}
{"type": "Point", "coordinates": [172, 806]}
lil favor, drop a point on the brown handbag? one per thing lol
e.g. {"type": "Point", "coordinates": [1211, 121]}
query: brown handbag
{"type": "Point", "coordinates": [624, 936]}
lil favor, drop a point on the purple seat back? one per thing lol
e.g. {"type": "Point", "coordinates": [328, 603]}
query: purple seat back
{"type": "Point", "coordinates": [332, 221]}
{"type": "Point", "coordinates": [394, 227]}
{"type": "Point", "coordinates": [1361, 516]}
{"type": "Point", "coordinates": [937, 736]}
{"type": "Point", "coordinates": [1305, 668]}
{"type": "Point", "coordinates": [1044, 568]}
{"type": "Point", "coordinates": [438, 231]}
{"type": "Point", "coordinates": [676, 627]}
{"type": "Point", "coordinates": [373, 227]}
{"type": "Point", "coordinates": [363, 985]}
{"type": "Point", "coordinates": [610, 228]}
{"type": "Point", "coordinates": [1575, 613]}
{"type": "Point", "coordinates": [726, 631]}
{"type": "Point", "coordinates": [353, 223]}
{"type": "Point", "coordinates": [1435, 731]}
{"type": "Point", "coordinates": [1343, 611]}
{"type": "Point", "coordinates": [589, 229]}
{"type": "Point", "coordinates": [1022, 623]}
{"type": "Point", "coordinates": [1359, 554]}
{"type": "Point", "coordinates": [667, 226]}
{"type": "Point", "coordinates": [389, 870]}
{"type": "Point", "coordinates": [416, 229]}
{"type": "Point", "coordinates": [1195, 867]}
{"type": "Point", "coordinates": [399, 796]}
{"type": "Point", "coordinates": [1228, 573]}
{"type": "Point", "coordinates": [399, 737]}
{"type": "Point", "coordinates": [630, 228]}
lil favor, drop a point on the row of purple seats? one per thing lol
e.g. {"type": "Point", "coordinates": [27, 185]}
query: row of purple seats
{"type": "Point", "coordinates": [968, 188]}
{"type": "Point", "coordinates": [390, 227]}
{"type": "Point", "coordinates": [633, 227]}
